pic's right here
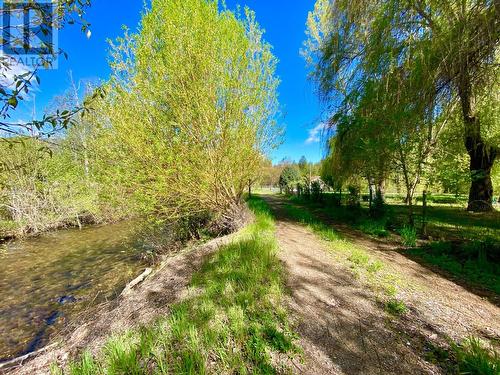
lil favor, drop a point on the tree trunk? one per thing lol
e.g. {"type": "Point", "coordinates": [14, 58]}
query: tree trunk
{"type": "Point", "coordinates": [380, 193]}
{"type": "Point", "coordinates": [424, 213]}
{"type": "Point", "coordinates": [482, 156]}
{"type": "Point", "coordinates": [371, 186]}
{"type": "Point", "coordinates": [411, 217]}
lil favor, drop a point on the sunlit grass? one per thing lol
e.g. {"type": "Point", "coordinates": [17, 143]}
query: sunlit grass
{"type": "Point", "coordinates": [474, 358]}
{"type": "Point", "coordinates": [234, 322]}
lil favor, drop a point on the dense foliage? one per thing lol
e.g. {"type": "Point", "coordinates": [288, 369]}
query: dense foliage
{"type": "Point", "coordinates": [397, 75]}
{"type": "Point", "coordinates": [188, 115]}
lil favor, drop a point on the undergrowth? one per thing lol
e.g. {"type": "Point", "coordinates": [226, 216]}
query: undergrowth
{"type": "Point", "coordinates": [471, 357]}
{"type": "Point", "coordinates": [475, 358]}
{"type": "Point", "coordinates": [477, 262]}
{"type": "Point", "coordinates": [233, 322]}
{"type": "Point", "coordinates": [408, 236]}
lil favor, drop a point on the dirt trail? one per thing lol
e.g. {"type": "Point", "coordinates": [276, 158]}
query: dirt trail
{"type": "Point", "coordinates": [344, 331]}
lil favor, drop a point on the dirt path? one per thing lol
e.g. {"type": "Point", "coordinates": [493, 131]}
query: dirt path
{"type": "Point", "coordinates": [344, 331]}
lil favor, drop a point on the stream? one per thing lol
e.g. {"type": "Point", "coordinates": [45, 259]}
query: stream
{"type": "Point", "coordinates": [47, 280]}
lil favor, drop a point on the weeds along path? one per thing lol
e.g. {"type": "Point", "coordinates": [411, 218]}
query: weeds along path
{"type": "Point", "coordinates": [342, 285]}
{"type": "Point", "coordinates": [438, 306]}
{"type": "Point", "coordinates": [342, 328]}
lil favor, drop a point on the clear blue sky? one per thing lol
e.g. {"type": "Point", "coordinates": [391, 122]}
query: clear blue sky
{"type": "Point", "coordinates": [284, 22]}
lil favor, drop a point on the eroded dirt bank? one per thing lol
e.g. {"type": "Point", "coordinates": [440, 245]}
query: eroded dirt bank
{"type": "Point", "coordinates": [150, 299]}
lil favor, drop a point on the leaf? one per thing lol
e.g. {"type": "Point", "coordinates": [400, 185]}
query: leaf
{"type": "Point", "coordinates": [13, 101]}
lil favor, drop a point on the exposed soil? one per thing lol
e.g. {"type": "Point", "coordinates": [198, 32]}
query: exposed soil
{"type": "Point", "coordinates": [342, 327]}
{"type": "Point", "coordinates": [140, 306]}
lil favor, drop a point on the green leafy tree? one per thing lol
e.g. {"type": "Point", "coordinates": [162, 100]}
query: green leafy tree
{"type": "Point", "coordinates": [430, 55]}
{"type": "Point", "coordinates": [289, 178]}
{"type": "Point", "coordinates": [16, 85]}
{"type": "Point", "coordinates": [191, 109]}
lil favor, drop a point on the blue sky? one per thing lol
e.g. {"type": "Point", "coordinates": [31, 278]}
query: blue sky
{"type": "Point", "coordinates": [284, 22]}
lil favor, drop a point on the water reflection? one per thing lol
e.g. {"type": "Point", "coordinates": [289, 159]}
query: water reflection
{"type": "Point", "coordinates": [46, 280]}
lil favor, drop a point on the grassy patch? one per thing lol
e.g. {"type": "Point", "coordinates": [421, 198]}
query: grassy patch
{"type": "Point", "coordinates": [470, 357]}
{"type": "Point", "coordinates": [305, 217]}
{"type": "Point", "coordinates": [234, 322]}
{"type": "Point", "coordinates": [374, 227]}
{"type": "Point", "coordinates": [477, 262]}
{"type": "Point", "coordinates": [476, 359]}
{"type": "Point", "coordinates": [443, 220]}
{"type": "Point", "coordinates": [473, 255]}
{"type": "Point", "coordinates": [395, 306]}
{"type": "Point", "coordinates": [408, 236]}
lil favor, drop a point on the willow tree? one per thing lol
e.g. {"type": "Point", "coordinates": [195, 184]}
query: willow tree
{"type": "Point", "coordinates": [449, 48]}
{"type": "Point", "coordinates": [192, 108]}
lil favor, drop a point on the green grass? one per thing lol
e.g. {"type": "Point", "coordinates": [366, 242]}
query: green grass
{"type": "Point", "coordinates": [443, 221]}
{"type": "Point", "coordinates": [469, 357]}
{"type": "Point", "coordinates": [476, 262]}
{"type": "Point", "coordinates": [471, 253]}
{"type": "Point", "coordinates": [408, 236]}
{"type": "Point", "coordinates": [374, 227]}
{"type": "Point", "coordinates": [395, 306]}
{"type": "Point", "coordinates": [233, 322]}
{"type": "Point", "coordinates": [305, 217]}
{"type": "Point", "coordinates": [453, 223]}
{"type": "Point", "coordinates": [476, 359]}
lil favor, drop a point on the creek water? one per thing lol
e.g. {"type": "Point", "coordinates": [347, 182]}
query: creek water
{"type": "Point", "coordinates": [46, 281]}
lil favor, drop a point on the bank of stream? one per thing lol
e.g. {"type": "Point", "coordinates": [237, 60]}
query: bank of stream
{"type": "Point", "coordinates": [47, 281]}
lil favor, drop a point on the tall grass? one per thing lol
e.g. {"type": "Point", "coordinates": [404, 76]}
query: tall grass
{"type": "Point", "coordinates": [233, 322]}
{"type": "Point", "coordinates": [408, 236]}
{"type": "Point", "coordinates": [476, 359]}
